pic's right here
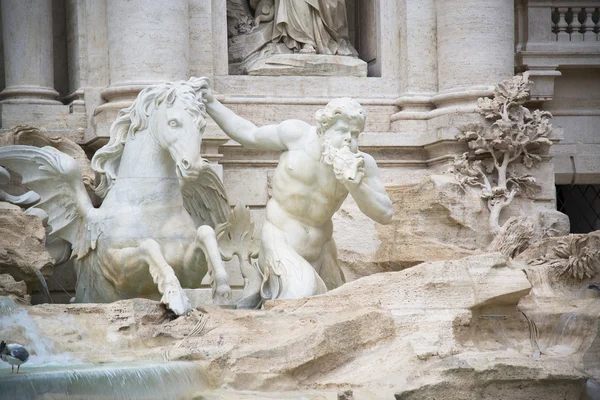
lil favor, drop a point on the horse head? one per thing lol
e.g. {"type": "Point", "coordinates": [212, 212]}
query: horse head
{"type": "Point", "coordinates": [177, 125]}
{"type": "Point", "coordinates": [173, 114]}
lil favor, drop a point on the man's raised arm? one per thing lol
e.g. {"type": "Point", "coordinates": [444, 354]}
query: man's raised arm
{"type": "Point", "coordinates": [268, 137]}
{"type": "Point", "coordinates": [370, 194]}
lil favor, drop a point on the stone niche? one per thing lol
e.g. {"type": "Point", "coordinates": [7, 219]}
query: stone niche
{"type": "Point", "coordinates": [252, 50]}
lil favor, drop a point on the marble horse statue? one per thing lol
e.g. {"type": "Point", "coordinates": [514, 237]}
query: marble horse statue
{"type": "Point", "coordinates": [154, 231]}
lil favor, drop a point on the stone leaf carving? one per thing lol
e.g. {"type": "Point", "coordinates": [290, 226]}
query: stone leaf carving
{"type": "Point", "coordinates": [574, 256]}
{"type": "Point", "coordinates": [514, 134]}
{"type": "Point", "coordinates": [235, 238]}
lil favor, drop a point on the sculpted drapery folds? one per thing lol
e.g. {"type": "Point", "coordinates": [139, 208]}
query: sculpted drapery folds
{"type": "Point", "coordinates": [311, 26]}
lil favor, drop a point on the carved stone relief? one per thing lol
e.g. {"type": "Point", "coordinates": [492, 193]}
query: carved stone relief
{"type": "Point", "coordinates": [290, 37]}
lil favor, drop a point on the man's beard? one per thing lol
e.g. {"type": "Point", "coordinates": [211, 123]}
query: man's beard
{"type": "Point", "coordinates": [345, 162]}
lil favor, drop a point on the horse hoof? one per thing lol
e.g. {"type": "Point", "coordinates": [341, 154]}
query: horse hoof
{"type": "Point", "coordinates": [223, 291]}
{"type": "Point", "coordinates": [177, 302]}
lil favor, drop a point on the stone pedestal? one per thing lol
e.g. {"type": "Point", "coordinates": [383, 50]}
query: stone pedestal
{"type": "Point", "coordinates": [28, 57]}
{"type": "Point", "coordinates": [308, 65]}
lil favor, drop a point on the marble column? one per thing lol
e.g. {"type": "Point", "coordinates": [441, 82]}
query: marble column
{"type": "Point", "coordinates": [148, 43]}
{"type": "Point", "coordinates": [418, 56]}
{"type": "Point", "coordinates": [475, 46]}
{"type": "Point", "coordinates": [28, 56]}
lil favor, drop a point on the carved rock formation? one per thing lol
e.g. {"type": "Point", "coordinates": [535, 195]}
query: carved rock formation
{"type": "Point", "coordinates": [514, 237]}
{"type": "Point", "coordinates": [434, 220]}
{"type": "Point", "coordinates": [17, 291]}
{"type": "Point", "coordinates": [377, 334]}
{"type": "Point", "coordinates": [564, 309]}
{"type": "Point", "coordinates": [22, 245]}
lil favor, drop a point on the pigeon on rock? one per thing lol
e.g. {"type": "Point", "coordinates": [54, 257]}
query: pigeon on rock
{"type": "Point", "coordinates": [14, 354]}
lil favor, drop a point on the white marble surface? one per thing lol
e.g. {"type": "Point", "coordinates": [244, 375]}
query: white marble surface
{"type": "Point", "coordinates": [154, 232]}
{"type": "Point", "coordinates": [28, 56]}
{"type": "Point", "coordinates": [308, 65]}
{"type": "Point", "coordinates": [318, 168]}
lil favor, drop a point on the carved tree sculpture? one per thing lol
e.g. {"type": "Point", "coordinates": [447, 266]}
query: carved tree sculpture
{"type": "Point", "coordinates": [515, 134]}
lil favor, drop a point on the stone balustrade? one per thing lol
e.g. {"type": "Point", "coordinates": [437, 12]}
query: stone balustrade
{"type": "Point", "coordinates": [576, 24]}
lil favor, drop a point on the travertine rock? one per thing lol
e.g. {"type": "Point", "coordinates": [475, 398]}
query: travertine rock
{"type": "Point", "coordinates": [567, 262]}
{"type": "Point", "coordinates": [22, 244]}
{"type": "Point", "coordinates": [415, 333]}
{"type": "Point", "coordinates": [434, 220]}
{"type": "Point", "coordinates": [17, 291]}
{"type": "Point", "coordinates": [563, 309]}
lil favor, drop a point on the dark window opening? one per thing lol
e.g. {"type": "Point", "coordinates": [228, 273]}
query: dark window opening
{"type": "Point", "coordinates": [582, 204]}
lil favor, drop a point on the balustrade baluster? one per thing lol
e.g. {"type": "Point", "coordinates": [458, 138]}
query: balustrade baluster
{"type": "Point", "coordinates": [577, 26]}
{"type": "Point", "coordinates": [596, 21]}
{"type": "Point", "coordinates": [555, 17]}
{"type": "Point", "coordinates": [587, 25]}
{"type": "Point", "coordinates": [563, 25]}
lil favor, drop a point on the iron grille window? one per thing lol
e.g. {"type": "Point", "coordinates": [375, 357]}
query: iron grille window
{"type": "Point", "coordinates": [582, 204]}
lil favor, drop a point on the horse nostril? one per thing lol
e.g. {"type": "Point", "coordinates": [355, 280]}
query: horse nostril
{"type": "Point", "coordinates": [185, 163]}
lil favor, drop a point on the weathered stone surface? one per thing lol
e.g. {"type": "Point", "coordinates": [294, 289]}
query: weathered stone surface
{"type": "Point", "coordinates": [563, 310]}
{"type": "Point", "coordinates": [308, 64]}
{"type": "Point", "coordinates": [414, 333]}
{"type": "Point", "coordinates": [22, 240]}
{"type": "Point", "coordinates": [436, 219]}
{"type": "Point", "coordinates": [433, 220]}
{"type": "Point", "coordinates": [13, 289]}
{"type": "Point", "coordinates": [242, 46]}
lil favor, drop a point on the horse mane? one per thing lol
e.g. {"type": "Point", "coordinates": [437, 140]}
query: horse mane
{"type": "Point", "coordinates": [135, 118]}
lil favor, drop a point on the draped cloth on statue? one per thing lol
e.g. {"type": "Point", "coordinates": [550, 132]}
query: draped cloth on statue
{"type": "Point", "coordinates": [321, 24]}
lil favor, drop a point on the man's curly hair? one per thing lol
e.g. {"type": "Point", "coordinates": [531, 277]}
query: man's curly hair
{"type": "Point", "coordinates": [344, 107]}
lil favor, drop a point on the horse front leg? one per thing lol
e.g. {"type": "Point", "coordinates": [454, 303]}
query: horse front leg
{"type": "Point", "coordinates": [150, 254]}
{"type": "Point", "coordinates": [206, 243]}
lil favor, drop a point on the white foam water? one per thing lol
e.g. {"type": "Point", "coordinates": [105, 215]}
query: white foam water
{"type": "Point", "coordinates": [50, 375]}
{"type": "Point", "coordinates": [15, 321]}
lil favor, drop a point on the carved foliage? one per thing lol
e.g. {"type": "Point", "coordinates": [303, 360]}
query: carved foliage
{"type": "Point", "coordinates": [573, 257]}
{"type": "Point", "coordinates": [513, 134]}
{"type": "Point", "coordinates": [235, 238]}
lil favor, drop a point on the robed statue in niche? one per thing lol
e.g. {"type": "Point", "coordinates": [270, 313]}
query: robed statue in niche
{"type": "Point", "coordinates": [313, 26]}
{"type": "Point", "coordinates": [275, 37]}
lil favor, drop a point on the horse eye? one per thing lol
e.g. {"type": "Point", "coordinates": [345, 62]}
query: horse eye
{"type": "Point", "coordinates": [173, 123]}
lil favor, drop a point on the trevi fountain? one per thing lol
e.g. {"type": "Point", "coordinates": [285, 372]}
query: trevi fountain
{"type": "Point", "coordinates": [300, 199]}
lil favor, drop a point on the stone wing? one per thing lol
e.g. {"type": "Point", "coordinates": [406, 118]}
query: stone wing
{"type": "Point", "coordinates": [56, 178]}
{"type": "Point", "coordinates": [205, 199]}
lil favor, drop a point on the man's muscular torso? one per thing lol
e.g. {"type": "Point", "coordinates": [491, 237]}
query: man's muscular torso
{"type": "Point", "coordinates": [306, 194]}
